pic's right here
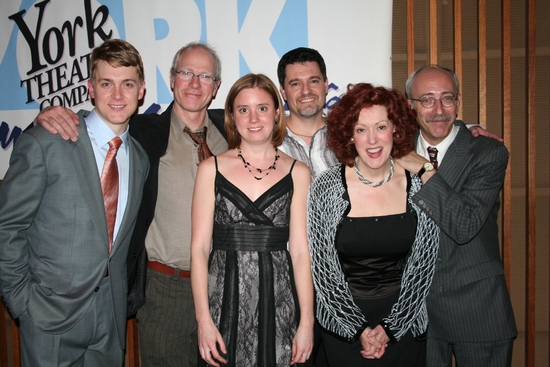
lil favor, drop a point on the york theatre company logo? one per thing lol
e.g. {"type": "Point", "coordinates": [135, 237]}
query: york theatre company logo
{"type": "Point", "coordinates": [53, 51]}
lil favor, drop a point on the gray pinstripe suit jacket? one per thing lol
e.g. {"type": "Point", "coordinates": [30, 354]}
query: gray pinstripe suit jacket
{"type": "Point", "coordinates": [53, 233]}
{"type": "Point", "coordinates": [468, 300]}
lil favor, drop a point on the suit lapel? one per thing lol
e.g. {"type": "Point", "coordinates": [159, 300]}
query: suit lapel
{"type": "Point", "coordinates": [83, 160]}
{"type": "Point", "coordinates": [457, 156]}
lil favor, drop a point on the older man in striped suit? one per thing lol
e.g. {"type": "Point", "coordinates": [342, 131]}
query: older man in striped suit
{"type": "Point", "coordinates": [469, 306]}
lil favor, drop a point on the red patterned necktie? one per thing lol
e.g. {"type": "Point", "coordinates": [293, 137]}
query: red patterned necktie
{"type": "Point", "coordinates": [109, 187]}
{"type": "Point", "coordinates": [200, 139]}
{"type": "Point", "coordinates": [432, 152]}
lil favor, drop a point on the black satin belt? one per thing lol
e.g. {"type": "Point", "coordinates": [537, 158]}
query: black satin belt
{"type": "Point", "coordinates": [250, 238]}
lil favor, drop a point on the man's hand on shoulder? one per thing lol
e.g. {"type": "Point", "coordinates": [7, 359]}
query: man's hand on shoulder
{"type": "Point", "coordinates": [477, 130]}
{"type": "Point", "coordinates": [59, 120]}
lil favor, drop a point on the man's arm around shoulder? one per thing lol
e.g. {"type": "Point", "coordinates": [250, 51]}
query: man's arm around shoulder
{"type": "Point", "coordinates": [461, 209]}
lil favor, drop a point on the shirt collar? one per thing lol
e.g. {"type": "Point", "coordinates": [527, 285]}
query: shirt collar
{"type": "Point", "coordinates": [297, 137]}
{"type": "Point", "coordinates": [441, 147]}
{"type": "Point", "coordinates": [103, 134]}
{"type": "Point", "coordinates": [177, 125]}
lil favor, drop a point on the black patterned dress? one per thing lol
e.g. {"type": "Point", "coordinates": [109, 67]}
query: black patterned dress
{"type": "Point", "coordinates": [250, 282]}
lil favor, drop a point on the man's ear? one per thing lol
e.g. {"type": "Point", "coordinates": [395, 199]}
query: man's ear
{"type": "Point", "coordinates": [216, 88]}
{"type": "Point", "coordinates": [90, 88]}
{"type": "Point", "coordinates": [282, 92]}
{"type": "Point", "coordinates": [141, 91]}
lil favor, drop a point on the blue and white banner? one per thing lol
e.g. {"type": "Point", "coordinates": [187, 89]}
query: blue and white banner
{"type": "Point", "coordinates": [45, 46]}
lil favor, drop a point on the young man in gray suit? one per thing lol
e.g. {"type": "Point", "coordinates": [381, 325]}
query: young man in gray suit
{"type": "Point", "coordinates": [469, 308]}
{"type": "Point", "coordinates": [67, 213]}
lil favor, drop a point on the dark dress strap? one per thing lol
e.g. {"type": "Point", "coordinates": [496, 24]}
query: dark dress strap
{"type": "Point", "coordinates": [292, 167]}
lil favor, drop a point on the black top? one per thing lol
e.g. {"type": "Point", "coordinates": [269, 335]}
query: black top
{"type": "Point", "coordinates": [373, 250]}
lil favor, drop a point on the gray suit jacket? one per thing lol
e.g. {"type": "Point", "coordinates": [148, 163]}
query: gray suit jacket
{"type": "Point", "coordinates": [468, 300]}
{"type": "Point", "coordinates": [53, 232]}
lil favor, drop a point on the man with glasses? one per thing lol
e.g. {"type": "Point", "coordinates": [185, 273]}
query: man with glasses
{"type": "Point", "coordinates": [469, 306]}
{"type": "Point", "coordinates": [176, 141]}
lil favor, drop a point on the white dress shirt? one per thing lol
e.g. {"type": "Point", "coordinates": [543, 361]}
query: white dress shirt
{"type": "Point", "coordinates": [100, 135]}
{"type": "Point", "coordinates": [422, 145]}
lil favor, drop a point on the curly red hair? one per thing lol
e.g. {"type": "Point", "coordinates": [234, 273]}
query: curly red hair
{"type": "Point", "coordinates": [344, 115]}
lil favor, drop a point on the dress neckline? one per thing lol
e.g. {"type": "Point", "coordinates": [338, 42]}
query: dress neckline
{"type": "Point", "coordinates": [242, 192]}
{"type": "Point", "coordinates": [246, 196]}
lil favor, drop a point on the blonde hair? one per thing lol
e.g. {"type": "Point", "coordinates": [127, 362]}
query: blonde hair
{"type": "Point", "coordinates": [117, 52]}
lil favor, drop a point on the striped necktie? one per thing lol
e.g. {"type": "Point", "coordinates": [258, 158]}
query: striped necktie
{"type": "Point", "coordinates": [109, 187]}
{"type": "Point", "coordinates": [432, 152]}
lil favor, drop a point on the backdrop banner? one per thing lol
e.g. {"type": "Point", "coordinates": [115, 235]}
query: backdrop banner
{"type": "Point", "coordinates": [45, 46]}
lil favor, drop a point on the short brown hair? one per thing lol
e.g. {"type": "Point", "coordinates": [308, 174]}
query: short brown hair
{"type": "Point", "coordinates": [117, 52]}
{"type": "Point", "coordinates": [247, 82]}
{"type": "Point", "coordinates": [344, 116]}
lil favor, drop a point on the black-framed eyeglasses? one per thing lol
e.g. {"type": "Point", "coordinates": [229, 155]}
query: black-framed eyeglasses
{"type": "Point", "coordinates": [187, 76]}
{"type": "Point", "coordinates": [429, 102]}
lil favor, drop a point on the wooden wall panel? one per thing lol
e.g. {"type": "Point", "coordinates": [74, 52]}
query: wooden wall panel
{"type": "Point", "coordinates": [507, 135]}
{"type": "Point", "coordinates": [531, 183]}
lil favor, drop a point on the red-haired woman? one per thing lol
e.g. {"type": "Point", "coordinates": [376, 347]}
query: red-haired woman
{"type": "Point", "coordinates": [373, 250]}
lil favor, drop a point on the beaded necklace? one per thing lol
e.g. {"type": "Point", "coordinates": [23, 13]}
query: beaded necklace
{"type": "Point", "coordinates": [250, 167]}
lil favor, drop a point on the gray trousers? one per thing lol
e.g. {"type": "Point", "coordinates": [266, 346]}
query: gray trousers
{"type": "Point", "coordinates": [166, 323]}
{"type": "Point", "coordinates": [475, 354]}
{"type": "Point", "coordinates": [92, 342]}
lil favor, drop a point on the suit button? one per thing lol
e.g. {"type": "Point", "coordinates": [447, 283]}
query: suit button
{"type": "Point", "coordinates": [134, 255]}
{"type": "Point", "coordinates": [439, 260]}
{"type": "Point", "coordinates": [441, 288]}
{"type": "Point", "coordinates": [421, 202]}
{"type": "Point", "coordinates": [96, 289]}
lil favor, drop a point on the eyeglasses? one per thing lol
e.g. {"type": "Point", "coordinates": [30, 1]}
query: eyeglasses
{"type": "Point", "coordinates": [187, 76]}
{"type": "Point", "coordinates": [429, 102]}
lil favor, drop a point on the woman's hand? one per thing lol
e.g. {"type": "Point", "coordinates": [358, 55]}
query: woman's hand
{"type": "Point", "coordinates": [374, 342]}
{"type": "Point", "coordinates": [302, 344]}
{"type": "Point", "coordinates": [211, 344]}
{"type": "Point", "coordinates": [379, 334]}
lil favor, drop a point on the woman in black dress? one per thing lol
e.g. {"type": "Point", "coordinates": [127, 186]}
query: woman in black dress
{"type": "Point", "coordinates": [373, 251]}
{"type": "Point", "coordinates": [250, 266]}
